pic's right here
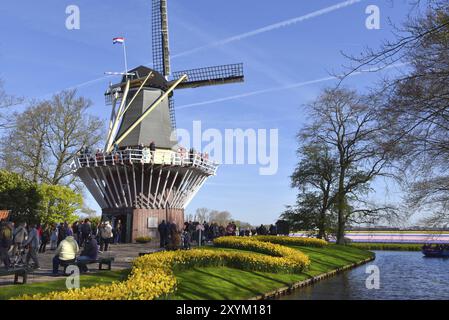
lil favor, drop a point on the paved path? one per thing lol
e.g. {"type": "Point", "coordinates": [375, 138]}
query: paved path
{"type": "Point", "coordinates": [123, 254]}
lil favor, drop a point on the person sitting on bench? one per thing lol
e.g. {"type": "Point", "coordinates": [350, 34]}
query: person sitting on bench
{"type": "Point", "coordinates": [65, 253]}
{"type": "Point", "coordinates": [89, 253]}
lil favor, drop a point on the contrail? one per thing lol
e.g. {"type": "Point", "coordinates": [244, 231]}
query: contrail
{"type": "Point", "coordinates": [287, 87]}
{"type": "Point", "coordinates": [84, 84]}
{"type": "Point", "coordinates": [271, 27]}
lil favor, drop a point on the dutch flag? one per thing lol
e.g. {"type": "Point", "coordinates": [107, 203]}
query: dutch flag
{"type": "Point", "coordinates": [118, 40]}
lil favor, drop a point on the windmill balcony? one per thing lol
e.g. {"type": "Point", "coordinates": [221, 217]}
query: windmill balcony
{"type": "Point", "coordinates": [145, 156]}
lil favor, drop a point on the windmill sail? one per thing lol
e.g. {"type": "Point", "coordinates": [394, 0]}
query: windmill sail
{"type": "Point", "coordinates": [171, 107]}
{"type": "Point", "coordinates": [209, 76]}
{"type": "Point", "coordinates": [161, 53]}
{"type": "Point", "coordinates": [130, 183]}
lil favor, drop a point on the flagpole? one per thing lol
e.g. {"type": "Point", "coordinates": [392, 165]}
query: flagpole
{"type": "Point", "coordinates": [126, 59]}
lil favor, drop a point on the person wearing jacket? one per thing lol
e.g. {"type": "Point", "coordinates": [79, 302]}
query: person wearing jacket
{"type": "Point", "coordinates": [19, 236]}
{"type": "Point", "coordinates": [45, 238]}
{"type": "Point", "coordinates": [89, 253]}
{"type": "Point", "coordinates": [86, 231]}
{"type": "Point", "coordinates": [5, 242]}
{"type": "Point", "coordinates": [54, 237]}
{"type": "Point", "coordinates": [33, 246]}
{"type": "Point", "coordinates": [106, 236]}
{"type": "Point", "coordinates": [66, 251]}
{"type": "Point", "coordinates": [163, 234]}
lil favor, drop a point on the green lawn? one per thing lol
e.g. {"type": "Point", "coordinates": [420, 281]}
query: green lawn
{"type": "Point", "coordinates": [215, 282]}
{"type": "Point", "coordinates": [228, 283]}
{"type": "Point", "coordinates": [88, 280]}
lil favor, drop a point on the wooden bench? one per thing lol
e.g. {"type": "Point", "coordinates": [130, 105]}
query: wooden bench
{"type": "Point", "coordinates": [100, 261]}
{"type": "Point", "coordinates": [17, 272]}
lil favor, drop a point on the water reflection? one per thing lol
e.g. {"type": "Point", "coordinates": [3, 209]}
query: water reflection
{"type": "Point", "coordinates": [403, 275]}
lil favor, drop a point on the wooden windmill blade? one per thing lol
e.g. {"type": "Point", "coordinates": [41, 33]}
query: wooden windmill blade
{"type": "Point", "coordinates": [161, 52]}
{"type": "Point", "coordinates": [209, 76]}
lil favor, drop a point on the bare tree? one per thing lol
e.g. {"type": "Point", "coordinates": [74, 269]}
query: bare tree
{"type": "Point", "coordinates": [416, 106]}
{"type": "Point", "coordinates": [48, 135]}
{"type": "Point", "coordinates": [23, 148]}
{"type": "Point", "coordinates": [220, 217]}
{"type": "Point", "coordinates": [6, 102]}
{"type": "Point", "coordinates": [202, 214]}
{"type": "Point", "coordinates": [71, 130]}
{"type": "Point", "coordinates": [347, 124]}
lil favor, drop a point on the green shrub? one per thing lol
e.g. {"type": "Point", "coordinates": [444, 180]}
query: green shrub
{"type": "Point", "coordinates": [143, 239]}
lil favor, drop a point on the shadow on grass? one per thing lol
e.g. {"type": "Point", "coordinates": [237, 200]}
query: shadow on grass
{"type": "Point", "coordinates": [59, 284]}
{"type": "Point", "coordinates": [226, 283]}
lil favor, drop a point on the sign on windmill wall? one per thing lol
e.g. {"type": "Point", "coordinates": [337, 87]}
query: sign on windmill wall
{"type": "Point", "coordinates": [152, 223]}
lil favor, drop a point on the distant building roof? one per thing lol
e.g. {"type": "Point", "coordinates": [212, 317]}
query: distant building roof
{"type": "Point", "coordinates": [4, 214]}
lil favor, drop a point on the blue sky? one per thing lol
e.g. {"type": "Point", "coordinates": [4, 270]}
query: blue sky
{"type": "Point", "coordinates": [39, 56]}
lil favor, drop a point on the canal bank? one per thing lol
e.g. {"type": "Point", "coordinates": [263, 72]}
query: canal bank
{"type": "Point", "coordinates": [403, 275]}
{"type": "Point", "coordinates": [301, 284]}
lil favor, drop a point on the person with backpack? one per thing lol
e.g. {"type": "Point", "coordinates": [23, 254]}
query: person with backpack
{"type": "Point", "coordinates": [5, 242]}
{"type": "Point", "coordinates": [106, 236]}
{"type": "Point", "coordinates": [20, 234]}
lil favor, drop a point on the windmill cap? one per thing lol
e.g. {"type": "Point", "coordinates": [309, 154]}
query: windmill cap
{"type": "Point", "coordinates": [156, 81]}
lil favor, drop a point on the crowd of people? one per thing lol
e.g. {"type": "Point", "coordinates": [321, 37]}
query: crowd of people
{"type": "Point", "coordinates": [202, 233]}
{"type": "Point", "coordinates": [121, 154]}
{"type": "Point", "coordinates": [22, 243]}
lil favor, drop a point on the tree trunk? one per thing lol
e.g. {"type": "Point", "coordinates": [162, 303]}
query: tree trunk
{"type": "Point", "coordinates": [322, 219]}
{"type": "Point", "coordinates": [341, 208]}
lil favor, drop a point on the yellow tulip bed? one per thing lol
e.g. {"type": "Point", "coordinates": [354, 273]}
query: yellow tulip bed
{"type": "Point", "coordinates": [293, 241]}
{"type": "Point", "coordinates": [152, 275]}
{"type": "Point", "coordinates": [300, 260]}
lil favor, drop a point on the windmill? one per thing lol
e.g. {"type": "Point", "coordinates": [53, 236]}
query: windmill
{"type": "Point", "coordinates": [142, 186]}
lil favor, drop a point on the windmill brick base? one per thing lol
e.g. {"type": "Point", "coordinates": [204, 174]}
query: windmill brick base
{"type": "Point", "coordinates": [138, 222]}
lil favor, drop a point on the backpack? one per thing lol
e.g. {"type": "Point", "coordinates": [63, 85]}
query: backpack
{"type": "Point", "coordinates": [5, 236]}
{"type": "Point", "coordinates": [106, 233]}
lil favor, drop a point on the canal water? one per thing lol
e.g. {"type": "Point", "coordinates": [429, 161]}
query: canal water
{"type": "Point", "coordinates": [403, 276]}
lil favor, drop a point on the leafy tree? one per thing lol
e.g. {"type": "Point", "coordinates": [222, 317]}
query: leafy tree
{"type": "Point", "coordinates": [306, 215]}
{"type": "Point", "coordinates": [19, 195]}
{"type": "Point", "coordinates": [315, 177]}
{"type": "Point", "coordinates": [58, 203]}
{"type": "Point", "coordinates": [34, 203]}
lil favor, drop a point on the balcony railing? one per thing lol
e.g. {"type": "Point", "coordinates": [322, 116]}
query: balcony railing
{"type": "Point", "coordinates": [145, 156]}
